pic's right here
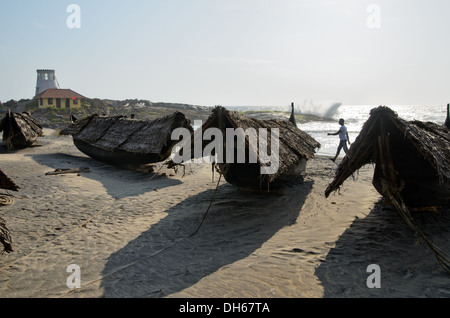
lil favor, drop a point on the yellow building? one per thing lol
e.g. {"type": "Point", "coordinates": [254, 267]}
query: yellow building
{"type": "Point", "coordinates": [59, 98]}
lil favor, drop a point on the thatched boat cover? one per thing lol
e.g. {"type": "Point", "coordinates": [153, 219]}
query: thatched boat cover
{"type": "Point", "coordinates": [416, 149]}
{"type": "Point", "coordinates": [294, 144]}
{"type": "Point", "coordinates": [412, 165]}
{"type": "Point", "coordinates": [19, 130]}
{"type": "Point", "coordinates": [119, 134]}
{"type": "Point", "coordinates": [7, 183]}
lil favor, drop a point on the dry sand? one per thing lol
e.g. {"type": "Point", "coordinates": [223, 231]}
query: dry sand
{"type": "Point", "coordinates": [129, 232]}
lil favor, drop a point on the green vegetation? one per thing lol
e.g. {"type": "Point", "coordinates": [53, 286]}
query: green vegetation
{"type": "Point", "coordinates": [32, 105]}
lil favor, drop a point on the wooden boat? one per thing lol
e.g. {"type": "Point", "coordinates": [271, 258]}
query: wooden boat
{"type": "Point", "coordinates": [121, 141]}
{"type": "Point", "coordinates": [295, 148]}
{"type": "Point", "coordinates": [20, 130]}
{"type": "Point", "coordinates": [412, 166]}
{"type": "Point", "coordinates": [412, 159]}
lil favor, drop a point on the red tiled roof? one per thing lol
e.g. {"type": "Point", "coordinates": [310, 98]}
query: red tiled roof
{"type": "Point", "coordinates": [59, 93]}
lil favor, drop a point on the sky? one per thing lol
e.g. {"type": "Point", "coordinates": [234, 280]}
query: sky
{"type": "Point", "coordinates": [231, 52]}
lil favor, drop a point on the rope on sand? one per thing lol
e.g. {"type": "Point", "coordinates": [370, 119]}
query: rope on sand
{"type": "Point", "coordinates": [6, 200]}
{"type": "Point", "coordinates": [127, 265]}
{"type": "Point", "coordinates": [441, 257]}
{"type": "Point", "coordinates": [392, 186]}
{"type": "Point", "coordinates": [159, 251]}
{"type": "Point", "coordinates": [210, 203]}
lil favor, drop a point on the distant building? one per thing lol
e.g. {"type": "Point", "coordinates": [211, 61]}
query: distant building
{"type": "Point", "coordinates": [45, 79]}
{"type": "Point", "coordinates": [59, 98]}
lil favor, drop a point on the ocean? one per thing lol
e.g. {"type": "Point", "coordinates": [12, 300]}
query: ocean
{"type": "Point", "coordinates": [354, 115]}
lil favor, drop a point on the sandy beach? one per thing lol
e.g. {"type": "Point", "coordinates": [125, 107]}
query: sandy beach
{"type": "Point", "coordinates": [131, 233]}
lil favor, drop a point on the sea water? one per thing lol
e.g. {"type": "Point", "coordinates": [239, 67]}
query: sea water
{"type": "Point", "coordinates": [354, 115]}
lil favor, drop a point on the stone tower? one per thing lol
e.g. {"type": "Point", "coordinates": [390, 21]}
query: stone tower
{"type": "Point", "coordinates": [45, 79]}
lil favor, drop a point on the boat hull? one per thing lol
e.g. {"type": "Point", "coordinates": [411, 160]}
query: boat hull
{"type": "Point", "coordinates": [18, 141]}
{"type": "Point", "coordinates": [117, 157]}
{"type": "Point", "coordinates": [120, 141]}
{"type": "Point", "coordinates": [248, 175]}
{"type": "Point", "coordinates": [420, 184]}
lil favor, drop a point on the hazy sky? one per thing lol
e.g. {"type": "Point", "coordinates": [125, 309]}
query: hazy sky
{"type": "Point", "coordinates": [231, 52]}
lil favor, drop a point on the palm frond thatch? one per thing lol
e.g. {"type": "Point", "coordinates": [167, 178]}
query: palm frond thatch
{"type": "Point", "coordinates": [119, 140]}
{"type": "Point", "coordinates": [412, 166]}
{"type": "Point", "coordinates": [19, 130]}
{"type": "Point", "coordinates": [411, 156]}
{"type": "Point", "coordinates": [295, 147]}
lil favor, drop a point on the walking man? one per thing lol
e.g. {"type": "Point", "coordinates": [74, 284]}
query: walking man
{"type": "Point", "coordinates": [343, 139]}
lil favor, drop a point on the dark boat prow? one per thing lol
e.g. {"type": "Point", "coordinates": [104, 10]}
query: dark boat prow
{"type": "Point", "coordinates": [292, 118]}
{"type": "Point", "coordinates": [447, 120]}
{"type": "Point", "coordinates": [73, 119]}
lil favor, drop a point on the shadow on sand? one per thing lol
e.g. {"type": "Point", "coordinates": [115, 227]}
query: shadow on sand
{"type": "Point", "coordinates": [166, 259]}
{"type": "Point", "coordinates": [119, 183]}
{"type": "Point", "coordinates": [407, 269]}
